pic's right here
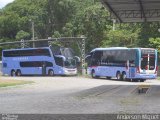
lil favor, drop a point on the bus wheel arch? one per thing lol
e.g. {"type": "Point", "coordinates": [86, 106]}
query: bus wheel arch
{"type": "Point", "coordinates": [50, 72]}
{"type": "Point", "coordinates": [18, 72]}
{"type": "Point", "coordinates": [13, 73]}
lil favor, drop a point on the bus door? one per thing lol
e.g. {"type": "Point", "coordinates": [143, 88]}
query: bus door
{"type": "Point", "coordinates": [131, 71]}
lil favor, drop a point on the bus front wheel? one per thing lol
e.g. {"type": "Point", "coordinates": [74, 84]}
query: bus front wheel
{"type": "Point", "coordinates": [13, 73]}
{"type": "Point", "coordinates": [51, 73]}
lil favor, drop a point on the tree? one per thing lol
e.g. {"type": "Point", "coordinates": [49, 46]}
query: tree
{"type": "Point", "coordinates": [148, 30]}
{"type": "Point", "coordinates": [155, 43]}
{"type": "Point", "coordinates": [91, 21]}
{"type": "Point", "coordinates": [120, 38]}
{"type": "Point", "coordinates": [22, 35]}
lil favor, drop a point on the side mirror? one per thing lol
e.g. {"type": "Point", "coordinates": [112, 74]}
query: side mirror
{"type": "Point", "coordinates": [78, 60]}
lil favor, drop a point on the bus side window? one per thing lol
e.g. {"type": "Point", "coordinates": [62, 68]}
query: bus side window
{"type": "Point", "coordinates": [94, 62]}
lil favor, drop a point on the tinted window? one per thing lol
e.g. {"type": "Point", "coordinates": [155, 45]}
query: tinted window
{"type": "Point", "coordinates": [56, 50]}
{"type": "Point", "coordinates": [148, 60]}
{"type": "Point", "coordinates": [34, 52]}
{"type": "Point", "coordinates": [67, 52]}
{"type": "Point", "coordinates": [114, 57]}
{"type": "Point", "coordinates": [96, 59]}
{"type": "Point", "coordinates": [59, 61]}
{"type": "Point", "coordinates": [36, 64]}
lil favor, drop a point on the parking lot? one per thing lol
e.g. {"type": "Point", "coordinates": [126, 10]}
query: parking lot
{"type": "Point", "coordinates": [76, 95]}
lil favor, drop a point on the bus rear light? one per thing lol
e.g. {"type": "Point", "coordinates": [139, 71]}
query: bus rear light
{"type": "Point", "coordinates": [138, 69]}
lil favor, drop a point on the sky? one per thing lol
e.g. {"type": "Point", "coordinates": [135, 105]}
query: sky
{"type": "Point", "coordinates": [4, 2]}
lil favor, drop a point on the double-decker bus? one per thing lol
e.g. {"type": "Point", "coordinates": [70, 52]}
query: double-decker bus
{"type": "Point", "coordinates": [123, 63]}
{"type": "Point", "coordinates": [39, 61]}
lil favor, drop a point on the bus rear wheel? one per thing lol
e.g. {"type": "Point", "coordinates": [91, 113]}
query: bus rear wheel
{"type": "Point", "coordinates": [118, 76]}
{"type": "Point", "coordinates": [13, 73]}
{"type": "Point", "coordinates": [123, 76]}
{"type": "Point", "coordinates": [18, 73]}
{"type": "Point", "coordinates": [51, 73]}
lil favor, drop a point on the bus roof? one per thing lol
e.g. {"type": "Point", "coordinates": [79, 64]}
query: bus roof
{"type": "Point", "coordinates": [110, 48]}
{"type": "Point", "coordinates": [26, 48]}
{"type": "Point", "coordinates": [117, 48]}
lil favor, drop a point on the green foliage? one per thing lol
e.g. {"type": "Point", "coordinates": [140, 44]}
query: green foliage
{"type": "Point", "coordinates": [22, 35]}
{"type": "Point", "coordinates": [155, 43]}
{"type": "Point", "coordinates": [73, 18]}
{"type": "Point", "coordinates": [122, 38]}
{"type": "Point", "coordinates": [56, 35]}
{"type": "Point", "coordinates": [148, 30]}
{"type": "Point", "coordinates": [91, 21]}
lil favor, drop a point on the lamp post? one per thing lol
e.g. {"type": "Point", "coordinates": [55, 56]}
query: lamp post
{"type": "Point", "coordinates": [32, 22]}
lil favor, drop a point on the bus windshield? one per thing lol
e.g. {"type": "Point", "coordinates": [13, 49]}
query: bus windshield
{"type": "Point", "coordinates": [148, 59]}
{"type": "Point", "coordinates": [70, 63]}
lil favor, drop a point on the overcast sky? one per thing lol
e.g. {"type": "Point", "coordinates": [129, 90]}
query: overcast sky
{"type": "Point", "coordinates": [4, 2]}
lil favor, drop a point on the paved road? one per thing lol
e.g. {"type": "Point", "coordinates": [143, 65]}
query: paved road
{"type": "Point", "coordinates": [79, 95]}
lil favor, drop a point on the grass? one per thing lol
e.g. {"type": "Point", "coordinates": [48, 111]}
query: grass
{"type": "Point", "coordinates": [5, 83]}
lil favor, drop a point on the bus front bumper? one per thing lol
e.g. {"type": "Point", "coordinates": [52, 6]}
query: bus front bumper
{"type": "Point", "coordinates": [70, 71]}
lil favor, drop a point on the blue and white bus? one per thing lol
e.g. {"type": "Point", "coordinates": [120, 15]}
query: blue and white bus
{"type": "Point", "coordinates": [39, 61]}
{"type": "Point", "coordinates": [123, 63]}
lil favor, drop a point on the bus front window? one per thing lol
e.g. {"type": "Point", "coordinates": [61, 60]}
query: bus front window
{"type": "Point", "coordinates": [70, 63]}
{"type": "Point", "coordinates": [59, 61]}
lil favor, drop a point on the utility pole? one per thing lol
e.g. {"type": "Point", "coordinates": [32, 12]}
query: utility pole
{"type": "Point", "coordinates": [32, 22]}
{"type": "Point", "coordinates": [33, 34]}
{"type": "Point", "coordinates": [83, 54]}
{"type": "Point", "coordinates": [114, 24]}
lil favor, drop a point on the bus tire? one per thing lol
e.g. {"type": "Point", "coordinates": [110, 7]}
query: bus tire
{"type": "Point", "coordinates": [123, 76]}
{"type": "Point", "coordinates": [18, 73]}
{"type": "Point", "coordinates": [108, 77]}
{"type": "Point", "coordinates": [118, 76]}
{"type": "Point", "coordinates": [51, 73]}
{"type": "Point", "coordinates": [13, 73]}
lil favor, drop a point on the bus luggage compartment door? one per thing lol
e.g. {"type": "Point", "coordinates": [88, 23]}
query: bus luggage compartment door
{"type": "Point", "coordinates": [132, 72]}
{"type": "Point", "coordinates": [44, 69]}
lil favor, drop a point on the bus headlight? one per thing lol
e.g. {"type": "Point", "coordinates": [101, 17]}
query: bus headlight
{"type": "Point", "coordinates": [65, 70]}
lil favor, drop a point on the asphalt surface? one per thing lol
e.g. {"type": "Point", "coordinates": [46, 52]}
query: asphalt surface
{"type": "Point", "coordinates": [79, 95]}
